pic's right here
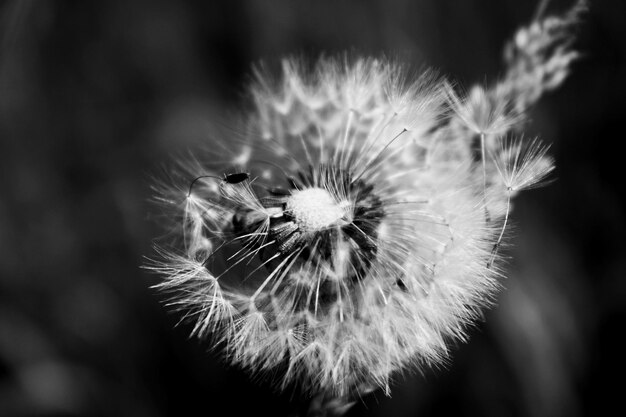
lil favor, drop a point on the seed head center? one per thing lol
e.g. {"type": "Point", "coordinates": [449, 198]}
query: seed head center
{"type": "Point", "coordinates": [314, 209]}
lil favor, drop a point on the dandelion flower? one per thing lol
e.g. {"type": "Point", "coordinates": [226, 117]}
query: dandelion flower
{"type": "Point", "coordinates": [353, 232]}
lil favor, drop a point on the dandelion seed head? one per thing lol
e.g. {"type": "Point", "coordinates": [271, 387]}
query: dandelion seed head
{"type": "Point", "coordinates": [359, 233]}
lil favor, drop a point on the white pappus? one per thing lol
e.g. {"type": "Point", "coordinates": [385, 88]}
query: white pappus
{"type": "Point", "coordinates": [355, 230]}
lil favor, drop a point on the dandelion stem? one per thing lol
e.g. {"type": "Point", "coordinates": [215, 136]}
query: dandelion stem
{"type": "Point", "coordinates": [506, 219]}
{"type": "Point", "coordinates": [484, 164]}
{"type": "Point", "coordinates": [344, 148]}
{"type": "Point", "coordinates": [482, 157]}
{"type": "Point", "coordinates": [322, 406]}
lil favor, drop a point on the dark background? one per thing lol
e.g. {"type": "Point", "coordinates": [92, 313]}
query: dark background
{"type": "Point", "coordinates": [96, 96]}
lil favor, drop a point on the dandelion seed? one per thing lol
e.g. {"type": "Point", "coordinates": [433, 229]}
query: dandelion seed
{"type": "Point", "coordinates": [361, 234]}
{"type": "Point", "coordinates": [521, 165]}
{"type": "Point", "coordinates": [486, 111]}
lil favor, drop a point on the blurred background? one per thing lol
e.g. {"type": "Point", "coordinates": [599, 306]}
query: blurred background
{"type": "Point", "coordinates": [96, 96]}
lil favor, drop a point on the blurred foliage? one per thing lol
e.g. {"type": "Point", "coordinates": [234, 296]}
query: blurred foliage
{"type": "Point", "coordinates": [96, 96]}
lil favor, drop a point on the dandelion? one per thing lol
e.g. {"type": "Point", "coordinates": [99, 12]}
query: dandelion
{"type": "Point", "coordinates": [353, 232]}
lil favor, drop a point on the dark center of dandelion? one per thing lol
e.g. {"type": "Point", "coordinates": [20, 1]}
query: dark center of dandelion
{"type": "Point", "coordinates": [328, 220]}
